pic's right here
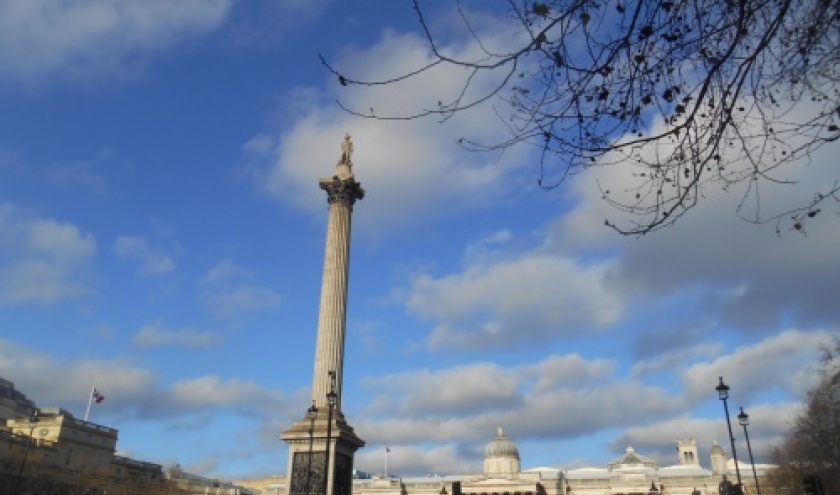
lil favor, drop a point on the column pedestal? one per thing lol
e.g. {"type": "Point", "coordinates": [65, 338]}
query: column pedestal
{"type": "Point", "coordinates": [343, 445]}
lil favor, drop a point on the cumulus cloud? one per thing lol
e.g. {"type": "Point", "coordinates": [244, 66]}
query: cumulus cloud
{"type": "Point", "coordinates": [744, 274]}
{"type": "Point", "coordinates": [658, 439]}
{"type": "Point", "coordinates": [41, 259]}
{"type": "Point", "coordinates": [414, 170]}
{"type": "Point", "coordinates": [441, 460]}
{"type": "Point", "coordinates": [784, 361]}
{"type": "Point", "coordinates": [467, 389]}
{"type": "Point", "coordinates": [555, 371]}
{"type": "Point", "coordinates": [154, 336]}
{"type": "Point", "coordinates": [89, 38]}
{"type": "Point", "coordinates": [131, 390]}
{"type": "Point", "coordinates": [228, 291]}
{"type": "Point", "coordinates": [520, 300]}
{"type": "Point", "coordinates": [154, 261]}
{"type": "Point", "coordinates": [214, 392]}
{"type": "Point", "coordinates": [768, 426]}
{"type": "Point", "coordinates": [733, 271]}
{"type": "Point", "coordinates": [676, 359]}
{"type": "Point", "coordinates": [53, 382]}
{"type": "Point", "coordinates": [566, 397]}
{"type": "Point", "coordinates": [559, 413]}
{"type": "Point", "coordinates": [558, 397]}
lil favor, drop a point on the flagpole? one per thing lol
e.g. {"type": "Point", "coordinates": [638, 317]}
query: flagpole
{"type": "Point", "coordinates": [386, 462]}
{"type": "Point", "coordinates": [90, 399]}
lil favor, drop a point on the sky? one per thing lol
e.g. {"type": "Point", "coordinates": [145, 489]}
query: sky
{"type": "Point", "coordinates": [162, 239]}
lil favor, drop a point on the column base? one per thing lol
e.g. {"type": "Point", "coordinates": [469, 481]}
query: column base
{"type": "Point", "coordinates": [310, 475]}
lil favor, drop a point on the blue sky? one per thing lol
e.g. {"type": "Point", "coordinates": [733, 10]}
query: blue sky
{"type": "Point", "coordinates": [162, 236]}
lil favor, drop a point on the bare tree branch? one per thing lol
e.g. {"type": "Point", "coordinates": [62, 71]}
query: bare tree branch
{"type": "Point", "coordinates": [678, 96]}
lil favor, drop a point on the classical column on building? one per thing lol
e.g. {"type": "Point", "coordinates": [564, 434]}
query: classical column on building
{"type": "Point", "coordinates": [331, 462]}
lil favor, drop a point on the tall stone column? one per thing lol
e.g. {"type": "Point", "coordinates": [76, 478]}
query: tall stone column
{"type": "Point", "coordinates": [342, 193]}
{"type": "Point", "coordinates": [321, 447]}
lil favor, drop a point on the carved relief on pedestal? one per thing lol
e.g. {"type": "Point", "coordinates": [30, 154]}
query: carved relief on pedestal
{"type": "Point", "coordinates": [298, 484]}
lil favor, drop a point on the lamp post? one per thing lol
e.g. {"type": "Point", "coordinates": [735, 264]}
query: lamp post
{"type": "Point", "coordinates": [331, 401]}
{"type": "Point", "coordinates": [33, 422]}
{"type": "Point", "coordinates": [723, 393]}
{"type": "Point", "coordinates": [311, 414]}
{"type": "Point", "coordinates": [744, 419]}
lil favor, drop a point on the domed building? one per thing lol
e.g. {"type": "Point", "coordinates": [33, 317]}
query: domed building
{"type": "Point", "coordinates": [630, 474]}
{"type": "Point", "coordinates": [502, 475]}
{"type": "Point", "coordinates": [501, 458]}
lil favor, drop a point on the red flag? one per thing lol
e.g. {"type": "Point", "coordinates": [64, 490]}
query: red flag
{"type": "Point", "coordinates": [97, 397]}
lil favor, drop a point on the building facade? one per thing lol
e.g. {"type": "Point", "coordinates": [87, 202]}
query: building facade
{"type": "Point", "coordinates": [40, 445]}
{"type": "Point", "coordinates": [630, 474]}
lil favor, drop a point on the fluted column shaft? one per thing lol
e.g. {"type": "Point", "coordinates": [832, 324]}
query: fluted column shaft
{"type": "Point", "coordinates": [332, 316]}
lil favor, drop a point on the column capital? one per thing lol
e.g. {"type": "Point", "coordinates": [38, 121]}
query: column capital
{"type": "Point", "coordinates": [342, 191]}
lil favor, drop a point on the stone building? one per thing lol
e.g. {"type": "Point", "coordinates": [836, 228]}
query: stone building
{"type": "Point", "coordinates": [635, 474]}
{"type": "Point", "coordinates": [62, 440]}
{"type": "Point", "coordinates": [41, 443]}
{"type": "Point", "coordinates": [630, 474]}
{"type": "Point", "coordinates": [41, 448]}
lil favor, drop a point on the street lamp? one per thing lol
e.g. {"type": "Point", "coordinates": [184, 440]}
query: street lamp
{"type": "Point", "coordinates": [332, 397]}
{"type": "Point", "coordinates": [33, 422]}
{"type": "Point", "coordinates": [311, 414]}
{"type": "Point", "coordinates": [723, 392]}
{"type": "Point", "coordinates": [744, 419]}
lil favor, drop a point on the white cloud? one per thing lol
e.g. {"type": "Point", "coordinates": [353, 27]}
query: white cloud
{"type": "Point", "coordinates": [153, 261]}
{"type": "Point", "coordinates": [743, 274]}
{"type": "Point", "coordinates": [676, 359]}
{"type": "Point", "coordinates": [661, 436]}
{"type": "Point", "coordinates": [442, 460]}
{"type": "Point", "coordinates": [466, 389]}
{"type": "Point", "coordinates": [227, 290]}
{"type": "Point", "coordinates": [560, 413]}
{"type": "Point", "coordinates": [211, 391]}
{"type": "Point", "coordinates": [131, 390]}
{"type": "Point", "coordinates": [154, 335]}
{"type": "Point", "coordinates": [88, 38]}
{"type": "Point", "coordinates": [521, 300]}
{"type": "Point", "coordinates": [749, 277]}
{"type": "Point", "coordinates": [413, 169]}
{"type": "Point", "coordinates": [555, 371]}
{"type": "Point", "coordinates": [54, 382]}
{"type": "Point", "coordinates": [768, 426]}
{"type": "Point", "coordinates": [42, 260]}
{"type": "Point", "coordinates": [223, 272]}
{"type": "Point", "coordinates": [57, 240]}
{"type": "Point", "coordinates": [486, 249]}
{"type": "Point", "coordinates": [784, 361]}
{"type": "Point", "coordinates": [563, 397]}
{"type": "Point", "coordinates": [558, 397]}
